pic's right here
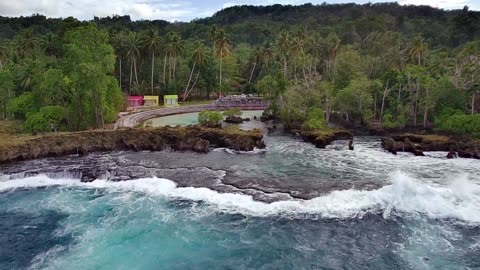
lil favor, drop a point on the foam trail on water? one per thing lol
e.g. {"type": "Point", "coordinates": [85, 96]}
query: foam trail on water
{"type": "Point", "coordinates": [234, 152]}
{"type": "Point", "coordinates": [459, 200]}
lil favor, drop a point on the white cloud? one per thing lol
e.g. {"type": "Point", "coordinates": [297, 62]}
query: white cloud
{"type": "Point", "coordinates": [445, 4]}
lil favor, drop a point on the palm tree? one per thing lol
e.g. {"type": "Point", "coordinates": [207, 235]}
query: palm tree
{"type": "Point", "coordinates": [49, 44]}
{"type": "Point", "coordinates": [27, 43]}
{"type": "Point", "coordinates": [152, 42]}
{"type": "Point", "coordinates": [283, 49]}
{"type": "Point", "coordinates": [223, 47]}
{"type": "Point", "coordinates": [333, 43]}
{"type": "Point", "coordinates": [257, 58]}
{"type": "Point", "coordinates": [418, 50]}
{"type": "Point", "coordinates": [174, 47]}
{"type": "Point", "coordinates": [314, 46]}
{"type": "Point", "coordinates": [4, 52]}
{"type": "Point", "coordinates": [213, 36]}
{"type": "Point", "coordinates": [267, 53]}
{"type": "Point", "coordinates": [396, 57]}
{"type": "Point", "coordinates": [133, 44]}
{"type": "Point", "coordinates": [118, 42]}
{"type": "Point", "coordinates": [198, 58]}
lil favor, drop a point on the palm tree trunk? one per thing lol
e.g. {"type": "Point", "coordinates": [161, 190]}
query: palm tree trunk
{"type": "Point", "coordinates": [221, 61]}
{"type": "Point", "coordinates": [164, 68]}
{"type": "Point", "coordinates": [131, 77]}
{"type": "Point", "coordinates": [135, 69]}
{"type": "Point", "coordinates": [188, 83]}
{"type": "Point", "coordinates": [472, 103]}
{"type": "Point", "coordinates": [153, 65]}
{"type": "Point", "coordinates": [120, 73]}
{"type": "Point", "coordinates": [305, 77]}
{"type": "Point", "coordinates": [194, 83]}
{"type": "Point", "coordinates": [174, 66]}
{"type": "Point", "coordinates": [251, 73]}
{"type": "Point", "coordinates": [425, 111]}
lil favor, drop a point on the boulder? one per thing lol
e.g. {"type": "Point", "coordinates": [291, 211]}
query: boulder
{"type": "Point", "coordinates": [451, 154]}
{"type": "Point", "coordinates": [233, 120]}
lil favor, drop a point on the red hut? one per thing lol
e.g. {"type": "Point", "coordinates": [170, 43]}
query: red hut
{"type": "Point", "coordinates": [135, 101]}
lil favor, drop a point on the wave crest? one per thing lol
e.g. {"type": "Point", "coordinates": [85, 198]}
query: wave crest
{"type": "Point", "coordinates": [460, 199]}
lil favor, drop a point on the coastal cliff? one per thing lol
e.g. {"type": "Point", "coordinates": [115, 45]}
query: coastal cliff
{"type": "Point", "coordinates": [191, 138]}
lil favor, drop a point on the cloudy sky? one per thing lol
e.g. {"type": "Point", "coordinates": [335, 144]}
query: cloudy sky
{"type": "Point", "coordinates": [171, 10]}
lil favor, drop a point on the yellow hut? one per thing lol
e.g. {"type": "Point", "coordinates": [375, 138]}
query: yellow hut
{"type": "Point", "coordinates": [150, 101]}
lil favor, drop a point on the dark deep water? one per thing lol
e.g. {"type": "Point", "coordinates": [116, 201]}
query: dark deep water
{"type": "Point", "coordinates": [290, 207]}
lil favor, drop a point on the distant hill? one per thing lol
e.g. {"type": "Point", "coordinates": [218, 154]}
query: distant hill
{"type": "Point", "coordinates": [258, 24]}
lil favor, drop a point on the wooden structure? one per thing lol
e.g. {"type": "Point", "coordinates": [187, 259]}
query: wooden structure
{"type": "Point", "coordinates": [170, 100]}
{"type": "Point", "coordinates": [243, 102]}
{"type": "Point", "coordinates": [135, 101]}
{"type": "Point", "coordinates": [150, 101]}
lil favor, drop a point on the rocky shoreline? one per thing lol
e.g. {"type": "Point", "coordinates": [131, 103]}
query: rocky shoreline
{"type": "Point", "coordinates": [417, 144]}
{"type": "Point", "coordinates": [322, 138]}
{"type": "Point", "coordinates": [191, 138]}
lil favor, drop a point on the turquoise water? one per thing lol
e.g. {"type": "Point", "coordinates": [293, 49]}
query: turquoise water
{"type": "Point", "coordinates": [292, 206]}
{"type": "Point", "coordinates": [192, 119]}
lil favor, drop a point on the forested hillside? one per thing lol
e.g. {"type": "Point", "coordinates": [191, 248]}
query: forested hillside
{"type": "Point", "coordinates": [387, 64]}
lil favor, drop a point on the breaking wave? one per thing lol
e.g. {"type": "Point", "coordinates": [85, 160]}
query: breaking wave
{"type": "Point", "coordinates": [457, 200]}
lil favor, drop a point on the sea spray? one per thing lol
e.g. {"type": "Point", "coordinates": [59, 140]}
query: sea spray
{"type": "Point", "coordinates": [458, 200]}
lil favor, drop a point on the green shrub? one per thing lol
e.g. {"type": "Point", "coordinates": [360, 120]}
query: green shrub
{"type": "Point", "coordinates": [234, 112]}
{"type": "Point", "coordinates": [315, 119]}
{"type": "Point", "coordinates": [23, 105]}
{"type": "Point", "coordinates": [389, 122]}
{"type": "Point", "coordinates": [210, 118]}
{"type": "Point", "coordinates": [49, 118]}
{"type": "Point", "coordinates": [460, 123]}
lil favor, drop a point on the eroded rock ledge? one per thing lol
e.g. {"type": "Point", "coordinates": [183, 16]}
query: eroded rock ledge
{"type": "Point", "coordinates": [322, 138]}
{"type": "Point", "coordinates": [418, 144]}
{"type": "Point", "coordinates": [191, 138]}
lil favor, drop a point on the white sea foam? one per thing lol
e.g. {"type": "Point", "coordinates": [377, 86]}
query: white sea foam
{"type": "Point", "coordinates": [458, 200]}
{"type": "Point", "coordinates": [234, 152]}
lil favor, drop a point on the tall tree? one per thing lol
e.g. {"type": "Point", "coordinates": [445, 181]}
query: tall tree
{"type": "Point", "coordinates": [133, 45]}
{"type": "Point", "coordinates": [152, 42]}
{"type": "Point", "coordinates": [418, 51]}
{"type": "Point", "coordinates": [197, 58]}
{"type": "Point", "coordinates": [28, 42]}
{"type": "Point", "coordinates": [466, 71]}
{"type": "Point", "coordinates": [118, 42]}
{"type": "Point", "coordinates": [257, 58]}
{"type": "Point", "coordinates": [223, 49]}
{"type": "Point", "coordinates": [283, 50]}
{"type": "Point", "coordinates": [213, 37]}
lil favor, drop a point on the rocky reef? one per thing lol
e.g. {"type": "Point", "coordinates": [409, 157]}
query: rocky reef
{"type": "Point", "coordinates": [417, 144]}
{"type": "Point", "coordinates": [191, 138]}
{"type": "Point", "coordinates": [323, 137]}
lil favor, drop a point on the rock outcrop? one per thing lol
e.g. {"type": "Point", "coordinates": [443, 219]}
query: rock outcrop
{"type": "Point", "coordinates": [233, 120]}
{"type": "Point", "coordinates": [419, 143]}
{"type": "Point", "coordinates": [191, 138]}
{"type": "Point", "coordinates": [322, 138]}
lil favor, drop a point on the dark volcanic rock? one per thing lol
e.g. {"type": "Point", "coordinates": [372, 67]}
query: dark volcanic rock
{"type": "Point", "coordinates": [322, 138]}
{"type": "Point", "coordinates": [233, 120]}
{"type": "Point", "coordinates": [350, 145]}
{"type": "Point", "coordinates": [191, 138]}
{"type": "Point", "coordinates": [451, 155]}
{"type": "Point", "coordinates": [419, 143]}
